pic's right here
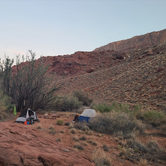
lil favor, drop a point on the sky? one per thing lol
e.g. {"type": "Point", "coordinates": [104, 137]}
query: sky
{"type": "Point", "coordinates": [60, 27]}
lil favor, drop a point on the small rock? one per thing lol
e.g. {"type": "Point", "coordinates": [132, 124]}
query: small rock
{"type": "Point", "coordinates": [66, 150]}
{"type": "Point", "coordinates": [58, 139]}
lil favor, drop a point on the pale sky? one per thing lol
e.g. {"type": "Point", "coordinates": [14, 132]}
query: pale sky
{"type": "Point", "coordinates": [59, 27]}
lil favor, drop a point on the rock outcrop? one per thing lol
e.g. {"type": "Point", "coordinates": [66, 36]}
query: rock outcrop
{"type": "Point", "coordinates": [149, 39]}
{"type": "Point", "coordinates": [22, 146]}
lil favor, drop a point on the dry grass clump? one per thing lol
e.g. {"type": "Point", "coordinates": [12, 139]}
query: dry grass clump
{"type": "Point", "coordinates": [39, 126]}
{"type": "Point", "coordinates": [75, 138]}
{"type": "Point", "coordinates": [78, 146]}
{"type": "Point", "coordinates": [92, 142]}
{"type": "Point", "coordinates": [105, 148]}
{"type": "Point", "coordinates": [100, 158]}
{"type": "Point", "coordinates": [72, 131]}
{"type": "Point", "coordinates": [81, 126]}
{"type": "Point", "coordinates": [133, 149]}
{"type": "Point", "coordinates": [113, 122]}
{"type": "Point", "coordinates": [70, 126]}
{"type": "Point", "coordinates": [83, 138]}
{"type": "Point", "coordinates": [154, 146]}
{"type": "Point", "coordinates": [143, 162]}
{"type": "Point", "coordinates": [52, 130]}
{"type": "Point", "coordinates": [67, 124]}
{"type": "Point", "coordinates": [51, 127]}
{"type": "Point", "coordinates": [59, 121]}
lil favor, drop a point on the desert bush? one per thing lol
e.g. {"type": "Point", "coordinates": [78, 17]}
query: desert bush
{"type": "Point", "coordinates": [100, 158]}
{"type": "Point", "coordinates": [81, 126]}
{"type": "Point", "coordinates": [153, 117]}
{"type": "Point", "coordinates": [67, 124]}
{"type": "Point", "coordinates": [52, 130]}
{"type": "Point", "coordinates": [137, 145]}
{"type": "Point", "coordinates": [143, 162]}
{"type": "Point", "coordinates": [154, 146]}
{"type": "Point", "coordinates": [75, 138]}
{"type": "Point", "coordinates": [111, 123]}
{"type": "Point", "coordinates": [83, 137]}
{"type": "Point", "coordinates": [30, 82]}
{"type": "Point", "coordinates": [134, 149]}
{"type": "Point", "coordinates": [72, 131]}
{"type": "Point", "coordinates": [105, 148]}
{"type": "Point", "coordinates": [103, 108]}
{"type": "Point", "coordinates": [78, 146]}
{"type": "Point", "coordinates": [59, 121]}
{"type": "Point", "coordinates": [67, 104]}
{"type": "Point", "coordinates": [84, 98]}
{"type": "Point", "coordinates": [116, 107]}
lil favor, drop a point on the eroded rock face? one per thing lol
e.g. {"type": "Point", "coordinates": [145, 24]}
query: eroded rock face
{"type": "Point", "coordinates": [149, 39]}
{"type": "Point", "coordinates": [22, 146]}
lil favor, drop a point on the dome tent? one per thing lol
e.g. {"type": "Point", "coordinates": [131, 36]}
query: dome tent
{"type": "Point", "coordinates": [87, 114]}
{"type": "Point", "coordinates": [25, 114]}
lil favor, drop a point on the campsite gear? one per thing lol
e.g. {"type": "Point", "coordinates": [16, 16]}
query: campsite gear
{"type": "Point", "coordinates": [87, 114]}
{"type": "Point", "coordinates": [25, 114]}
{"type": "Point", "coordinates": [30, 120]}
{"type": "Point", "coordinates": [76, 118]}
{"type": "Point", "coordinates": [25, 123]}
{"type": "Point", "coordinates": [14, 112]}
{"type": "Point", "coordinates": [46, 116]}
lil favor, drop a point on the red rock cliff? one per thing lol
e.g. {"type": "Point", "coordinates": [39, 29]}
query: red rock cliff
{"type": "Point", "coordinates": [149, 39]}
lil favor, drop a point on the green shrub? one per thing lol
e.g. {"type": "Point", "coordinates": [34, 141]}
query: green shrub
{"type": "Point", "coordinates": [83, 98]}
{"type": "Point", "coordinates": [153, 117]}
{"type": "Point", "coordinates": [67, 104]}
{"type": "Point", "coordinates": [111, 123]}
{"type": "Point", "coordinates": [103, 108]}
{"type": "Point", "coordinates": [59, 121]}
{"type": "Point", "coordinates": [117, 107]}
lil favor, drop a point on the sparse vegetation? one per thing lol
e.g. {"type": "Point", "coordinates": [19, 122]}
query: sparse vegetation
{"type": "Point", "coordinates": [78, 146]}
{"type": "Point", "coordinates": [152, 117]}
{"type": "Point", "coordinates": [84, 98]}
{"type": "Point", "coordinates": [143, 162]}
{"type": "Point", "coordinates": [52, 130]}
{"type": "Point", "coordinates": [83, 137]}
{"type": "Point", "coordinates": [116, 107]}
{"type": "Point", "coordinates": [59, 121]}
{"type": "Point", "coordinates": [67, 104]}
{"type": "Point", "coordinates": [81, 126]}
{"type": "Point", "coordinates": [105, 148]}
{"type": "Point", "coordinates": [135, 149]}
{"type": "Point", "coordinates": [100, 158]}
{"type": "Point", "coordinates": [111, 123]}
{"type": "Point", "coordinates": [73, 131]}
{"type": "Point", "coordinates": [39, 126]}
{"type": "Point", "coordinates": [75, 138]}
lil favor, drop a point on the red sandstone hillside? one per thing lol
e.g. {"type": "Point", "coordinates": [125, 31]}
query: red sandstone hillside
{"type": "Point", "coordinates": [149, 39]}
{"type": "Point", "coordinates": [136, 76]}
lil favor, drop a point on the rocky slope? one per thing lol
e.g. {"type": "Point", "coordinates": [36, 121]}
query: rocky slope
{"type": "Point", "coordinates": [138, 79]}
{"type": "Point", "coordinates": [149, 39]}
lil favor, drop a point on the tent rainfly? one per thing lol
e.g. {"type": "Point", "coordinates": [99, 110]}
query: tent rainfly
{"type": "Point", "coordinates": [25, 114]}
{"type": "Point", "coordinates": [87, 114]}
